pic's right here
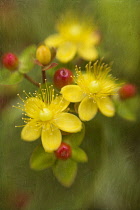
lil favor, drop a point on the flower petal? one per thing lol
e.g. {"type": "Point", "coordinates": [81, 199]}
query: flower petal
{"type": "Point", "coordinates": [59, 103]}
{"type": "Point", "coordinates": [87, 109]}
{"type": "Point", "coordinates": [66, 52]}
{"type": "Point", "coordinates": [93, 39]}
{"type": "Point", "coordinates": [54, 40]}
{"type": "Point", "coordinates": [106, 106]}
{"type": "Point", "coordinates": [68, 122]}
{"type": "Point", "coordinates": [30, 132]}
{"type": "Point", "coordinates": [72, 93]}
{"type": "Point", "coordinates": [51, 138]}
{"type": "Point", "coordinates": [33, 106]}
{"type": "Point", "coordinates": [88, 53]}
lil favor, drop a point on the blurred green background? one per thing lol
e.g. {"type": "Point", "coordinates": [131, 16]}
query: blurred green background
{"type": "Point", "coordinates": [111, 178]}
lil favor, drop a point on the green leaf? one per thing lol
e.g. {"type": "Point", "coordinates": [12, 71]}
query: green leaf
{"type": "Point", "coordinates": [75, 139]}
{"type": "Point", "coordinates": [26, 59]}
{"type": "Point", "coordinates": [41, 160]}
{"type": "Point", "coordinates": [79, 155]}
{"type": "Point", "coordinates": [10, 78]}
{"type": "Point", "coordinates": [127, 109]}
{"type": "Point", "coordinates": [65, 171]}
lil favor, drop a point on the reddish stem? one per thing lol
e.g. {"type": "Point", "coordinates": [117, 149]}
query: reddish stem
{"type": "Point", "coordinates": [31, 80]}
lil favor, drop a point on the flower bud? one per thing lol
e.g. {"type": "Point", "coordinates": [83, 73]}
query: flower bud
{"type": "Point", "coordinates": [63, 152]}
{"type": "Point", "coordinates": [127, 91]}
{"type": "Point", "coordinates": [62, 77]}
{"type": "Point", "coordinates": [10, 61]}
{"type": "Point", "coordinates": [43, 54]}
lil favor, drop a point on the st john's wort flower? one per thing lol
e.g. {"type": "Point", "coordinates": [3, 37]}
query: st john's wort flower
{"type": "Point", "coordinates": [93, 90]}
{"type": "Point", "coordinates": [74, 36]}
{"type": "Point", "coordinates": [46, 117]}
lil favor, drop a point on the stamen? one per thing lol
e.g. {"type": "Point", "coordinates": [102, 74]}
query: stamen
{"type": "Point", "coordinates": [26, 94]}
{"type": "Point", "coordinates": [20, 97]}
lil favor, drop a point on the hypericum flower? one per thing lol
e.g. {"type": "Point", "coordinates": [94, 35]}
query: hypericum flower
{"type": "Point", "coordinates": [93, 90]}
{"type": "Point", "coordinates": [47, 115]}
{"type": "Point", "coordinates": [74, 36]}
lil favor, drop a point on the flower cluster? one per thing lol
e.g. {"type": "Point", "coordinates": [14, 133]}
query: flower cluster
{"type": "Point", "coordinates": [47, 114]}
{"type": "Point", "coordinates": [57, 113]}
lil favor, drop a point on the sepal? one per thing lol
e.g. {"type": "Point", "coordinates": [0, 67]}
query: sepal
{"type": "Point", "coordinates": [41, 160]}
{"type": "Point", "coordinates": [75, 139]}
{"type": "Point", "coordinates": [79, 155]}
{"type": "Point", "coordinates": [65, 171]}
{"type": "Point", "coordinates": [26, 59]}
{"type": "Point", "coordinates": [10, 78]}
{"type": "Point", "coordinates": [127, 109]}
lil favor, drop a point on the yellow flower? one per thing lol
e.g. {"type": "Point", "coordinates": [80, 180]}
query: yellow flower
{"type": "Point", "coordinates": [73, 37]}
{"type": "Point", "coordinates": [92, 91]}
{"type": "Point", "coordinates": [46, 117]}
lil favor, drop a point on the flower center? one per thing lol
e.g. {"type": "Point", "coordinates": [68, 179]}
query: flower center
{"type": "Point", "coordinates": [75, 30]}
{"type": "Point", "coordinates": [45, 114]}
{"type": "Point", "coordinates": [94, 86]}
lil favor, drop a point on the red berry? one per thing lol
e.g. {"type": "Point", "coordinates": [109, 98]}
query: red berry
{"type": "Point", "coordinates": [127, 91]}
{"type": "Point", "coordinates": [10, 61]}
{"type": "Point", "coordinates": [63, 152]}
{"type": "Point", "coordinates": [62, 77]}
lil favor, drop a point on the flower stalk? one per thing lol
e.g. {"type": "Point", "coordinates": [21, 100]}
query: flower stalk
{"type": "Point", "coordinates": [31, 80]}
{"type": "Point", "coordinates": [43, 76]}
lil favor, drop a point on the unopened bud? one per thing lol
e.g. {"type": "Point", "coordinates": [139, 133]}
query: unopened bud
{"type": "Point", "coordinates": [63, 152]}
{"type": "Point", "coordinates": [10, 61]}
{"type": "Point", "coordinates": [127, 91]}
{"type": "Point", "coordinates": [43, 54]}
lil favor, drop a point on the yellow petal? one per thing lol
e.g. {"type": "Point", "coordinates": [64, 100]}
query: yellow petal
{"type": "Point", "coordinates": [87, 109]}
{"type": "Point", "coordinates": [88, 53]}
{"type": "Point", "coordinates": [59, 103]}
{"type": "Point", "coordinates": [51, 138]}
{"type": "Point", "coordinates": [94, 38]}
{"type": "Point", "coordinates": [54, 40]}
{"type": "Point", "coordinates": [72, 93]}
{"type": "Point", "coordinates": [33, 106]}
{"type": "Point", "coordinates": [66, 52]}
{"type": "Point", "coordinates": [106, 106]}
{"type": "Point", "coordinates": [68, 122]}
{"type": "Point", "coordinates": [30, 132]}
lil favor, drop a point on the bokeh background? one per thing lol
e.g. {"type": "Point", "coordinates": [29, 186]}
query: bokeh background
{"type": "Point", "coordinates": [111, 178]}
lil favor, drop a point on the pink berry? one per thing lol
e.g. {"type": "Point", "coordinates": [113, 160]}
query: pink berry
{"type": "Point", "coordinates": [10, 61]}
{"type": "Point", "coordinates": [63, 152]}
{"type": "Point", "coordinates": [62, 77]}
{"type": "Point", "coordinates": [127, 91]}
